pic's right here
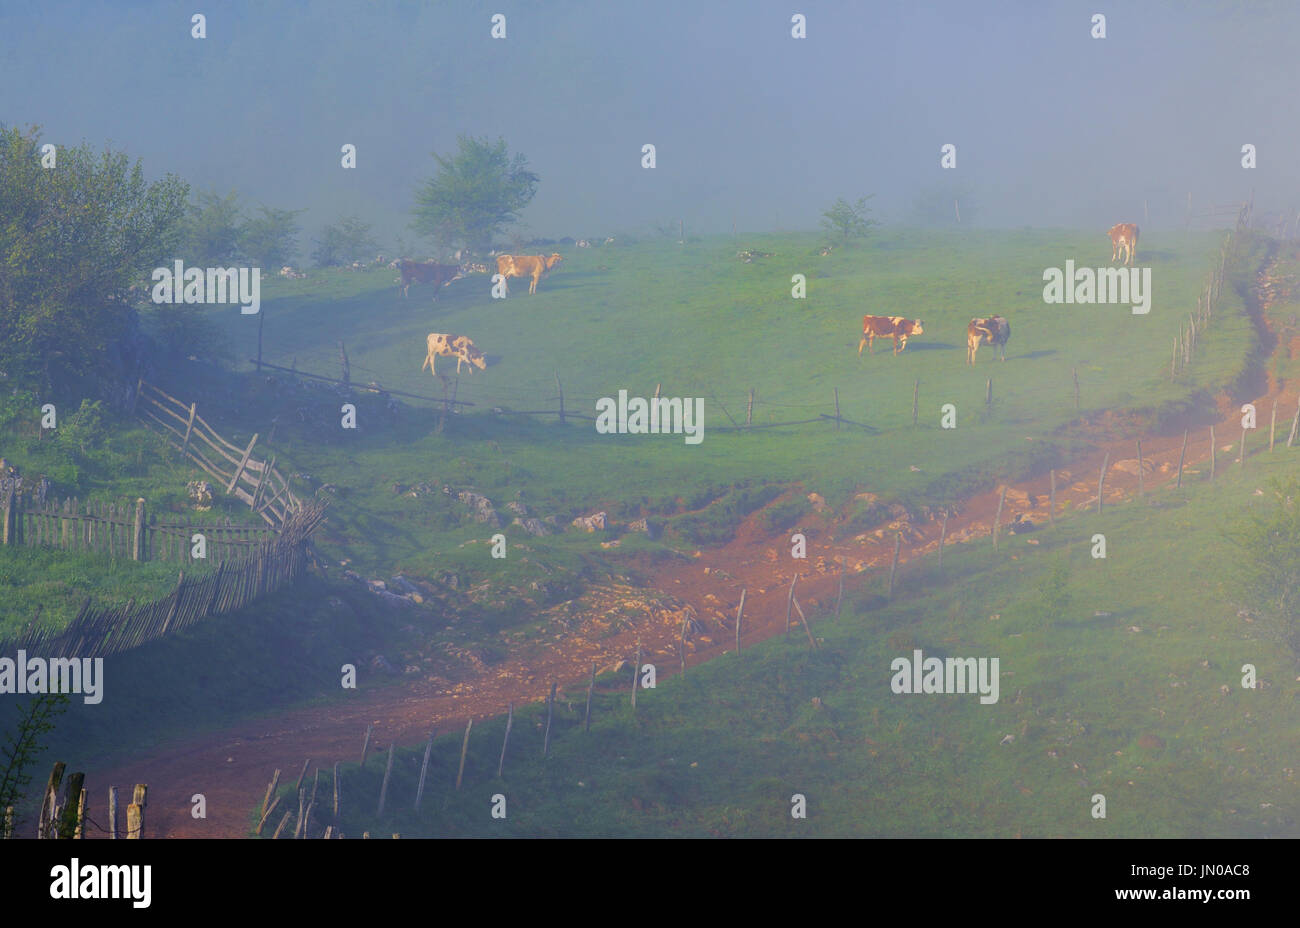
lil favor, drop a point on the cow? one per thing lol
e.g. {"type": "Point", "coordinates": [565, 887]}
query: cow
{"type": "Point", "coordinates": [453, 346]}
{"type": "Point", "coordinates": [895, 327]}
{"type": "Point", "coordinates": [1123, 237]}
{"type": "Point", "coordinates": [995, 330]}
{"type": "Point", "coordinates": [533, 266]}
{"type": "Point", "coordinates": [426, 272]}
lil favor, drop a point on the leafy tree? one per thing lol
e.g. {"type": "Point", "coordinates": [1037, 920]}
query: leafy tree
{"type": "Point", "coordinates": [1266, 578]}
{"type": "Point", "coordinates": [270, 240]}
{"type": "Point", "coordinates": [73, 239]}
{"type": "Point", "coordinates": [210, 232]}
{"type": "Point", "coordinates": [475, 195]}
{"type": "Point", "coordinates": [22, 746]}
{"type": "Point", "coordinates": [347, 241]}
{"type": "Point", "coordinates": [848, 219]}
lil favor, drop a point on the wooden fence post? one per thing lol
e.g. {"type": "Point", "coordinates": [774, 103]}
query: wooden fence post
{"type": "Point", "coordinates": [988, 392]}
{"type": "Point", "coordinates": [68, 821]}
{"type": "Point", "coordinates": [510, 724]}
{"type": "Point", "coordinates": [561, 391]}
{"type": "Point", "coordinates": [1243, 447]}
{"type": "Point", "coordinates": [550, 711]}
{"type": "Point", "coordinates": [138, 550]}
{"type": "Point", "coordinates": [1141, 491]}
{"type": "Point", "coordinates": [749, 410]}
{"type": "Point", "coordinates": [837, 408]}
{"type": "Point", "coordinates": [636, 674]}
{"type": "Point", "coordinates": [424, 770]}
{"type": "Point", "coordinates": [997, 519]}
{"type": "Point", "coordinates": [898, 543]}
{"type": "Point", "coordinates": [839, 595]}
{"type": "Point", "coordinates": [112, 812]}
{"type": "Point", "coordinates": [789, 602]}
{"type": "Point", "coordinates": [464, 746]}
{"type": "Point", "coordinates": [365, 745]}
{"type": "Point", "coordinates": [1101, 480]}
{"type": "Point", "coordinates": [50, 800]}
{"type": "Point", "coordinates": [270, 791]}
{"type": "Point", "coordinates": [243, 462]}
{"type": "Point", "coordinates": [189, 429]}
{"type": "Point", "coordinates": [1076, 389]}
{"type": "Point", "coordinates": [1295, 423]}
{"type": "Point", "coordinates": [943, 536]}
{"type": "Point", "coordinates": [347, 368]}
{"type": "Point", "coordinates": [11, 515]}
{"type": "Point", "coordinates": [1213, 452]}
{"type": "Point", "coordinates": [383, 789]}
{"type": "Point", "coordinates": [135, 812]}
{"type": "Point", "coordinates": [303, 775]}
{"type": "Point", "coordinates": [1272, 424]}
{"type": "Point", "coordinates": [1051, 498]}
{"type": "Point", "coordinates": [740, 612]}
{"type": "Point", "coordinates": [1181, 455]}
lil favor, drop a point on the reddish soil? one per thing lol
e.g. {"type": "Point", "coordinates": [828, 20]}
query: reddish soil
{"type": "Point", "coordinates": [232, 767]}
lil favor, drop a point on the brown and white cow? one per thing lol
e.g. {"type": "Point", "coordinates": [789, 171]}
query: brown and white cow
{"type": "Point", "coordinates": [453, 346]}
{"type": "Point", "coordinates": [895, 327]}
{"type": "Point", "coordinates": [995, 330]}
{"type": "Point", "coordinates": [534, 266]}
{"type": "Point", "coordinates": [1123, 237]}
{"type": "Point", "coordinates": [426, 272]}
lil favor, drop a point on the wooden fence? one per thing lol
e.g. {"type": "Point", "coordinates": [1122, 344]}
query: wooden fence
{"type": "Point", "coordinates": [255, 482]}
{"type": "Point", "coordinates": [105, 630]}
{"type": "Point", "coordinates": [125, 530]}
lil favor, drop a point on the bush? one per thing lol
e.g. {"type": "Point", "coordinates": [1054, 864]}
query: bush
{"type": "Point", "coordinates": [784, 514]}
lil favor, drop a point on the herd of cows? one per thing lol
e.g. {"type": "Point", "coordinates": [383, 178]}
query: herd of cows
{"type": "Point", "coordinates": [993, 330]}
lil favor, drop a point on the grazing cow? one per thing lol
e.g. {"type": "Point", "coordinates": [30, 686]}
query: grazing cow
{"type": "Point", "coordinates": [1123, 237]}
{"type": "Point", "coordinates": [453, 346]}
{"type": "Point", "coordinates": [895, 327]}
{"type": "Point", "coordinates": [533, 266]}
{"type": "Point", "coordinates": [426, 272]}
{"type": "Point", "coordinates": [995, 330]}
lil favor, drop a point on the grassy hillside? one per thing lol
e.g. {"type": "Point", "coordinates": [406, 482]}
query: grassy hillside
{"type": "Point", "coordinates": [702, 323]}
{"type": "Point", "coordinates": [1118, 676]}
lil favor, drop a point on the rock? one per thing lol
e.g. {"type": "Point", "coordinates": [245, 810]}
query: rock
{"type": "Point", "coordinates": [532, 526]}
{"type": "Point", "coordinates": [818, 502]}
{"type": "Point", "coordinates": [376, 585]}
{"type": "Point", "coordinates": [481, 508]}
{"type": "Point", "coordinates": [403, 585]}
{"type": "Point", "coordinates": [592, 523]}
{"type": "Point", "coordinates": [517, 508]}
{"type": "Point", "coordinates": [652, 528]}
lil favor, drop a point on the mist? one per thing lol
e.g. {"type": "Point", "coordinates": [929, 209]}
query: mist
{"type": "Point", "coordinates": [1053, 128]}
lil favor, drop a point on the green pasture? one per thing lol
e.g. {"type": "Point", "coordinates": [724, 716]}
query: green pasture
{"type": "Point", "coordinates": [1119, 677]}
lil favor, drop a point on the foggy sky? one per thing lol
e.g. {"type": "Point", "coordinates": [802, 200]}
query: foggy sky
{"type": "Point", "coordinates": [1052, 127]}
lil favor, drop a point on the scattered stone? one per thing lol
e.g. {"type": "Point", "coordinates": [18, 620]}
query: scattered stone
{"type": "Point", "coordinates": [532, 526]}
{"type": "Point", "coordinates": [592, 523]}
{"type": "Point", "coordinates": [652, 528]}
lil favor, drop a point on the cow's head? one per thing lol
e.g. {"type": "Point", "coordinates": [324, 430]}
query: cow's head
{"type": "Point", "coordinates": [476, 357]}
{"type": "Point", "coordinates": [913, 327]}
{"type": "Point", "coordinates": [553, 260]}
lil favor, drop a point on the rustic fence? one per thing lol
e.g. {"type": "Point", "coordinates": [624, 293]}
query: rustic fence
{"type": "Point", "coordinates": [125, 530]}
{"type": "Point", "coordinates": [105, 630]}
{"type": "Point", "coordinates": [63, 809]}
{"type": "Point", "coordinates": [255, 482]}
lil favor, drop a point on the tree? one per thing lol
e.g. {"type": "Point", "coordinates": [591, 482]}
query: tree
{"type": "Point", "coordinates": [22, 746]}
{"type": "Point", "coordinates": [73, 238]}
{"type": "Point", "coordinates": [475, 195]}
{"type": "Point", "coordinates": [210, 232]}
{"type": "Point", "coordinates": [848, 219]}
{"type": "Point", "coordinates": [1266, 577]}
{"type": "Point", "coordinates": [270, 241]}
{"type": "Point", "coordinates": [347, 241]}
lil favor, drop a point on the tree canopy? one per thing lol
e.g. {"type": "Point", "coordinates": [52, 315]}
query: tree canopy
{"type": "Point", "coordinates": [73, 238]}
{"type": "Point", "coordinates": [476, 194]}
{"type": "Point", "coordinates": [848, 219]}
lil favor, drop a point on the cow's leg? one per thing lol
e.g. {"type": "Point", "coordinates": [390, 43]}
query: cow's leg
{"type": "Point", "coordinates": [861, 344]}
{"type": "Point", "coordinates": [433, 371]}
{"type": "Point", "coordinates": [1132, 253]}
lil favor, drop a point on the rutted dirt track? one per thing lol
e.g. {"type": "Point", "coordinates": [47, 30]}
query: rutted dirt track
{"type": "Point", "coordinates": [232, 767]}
